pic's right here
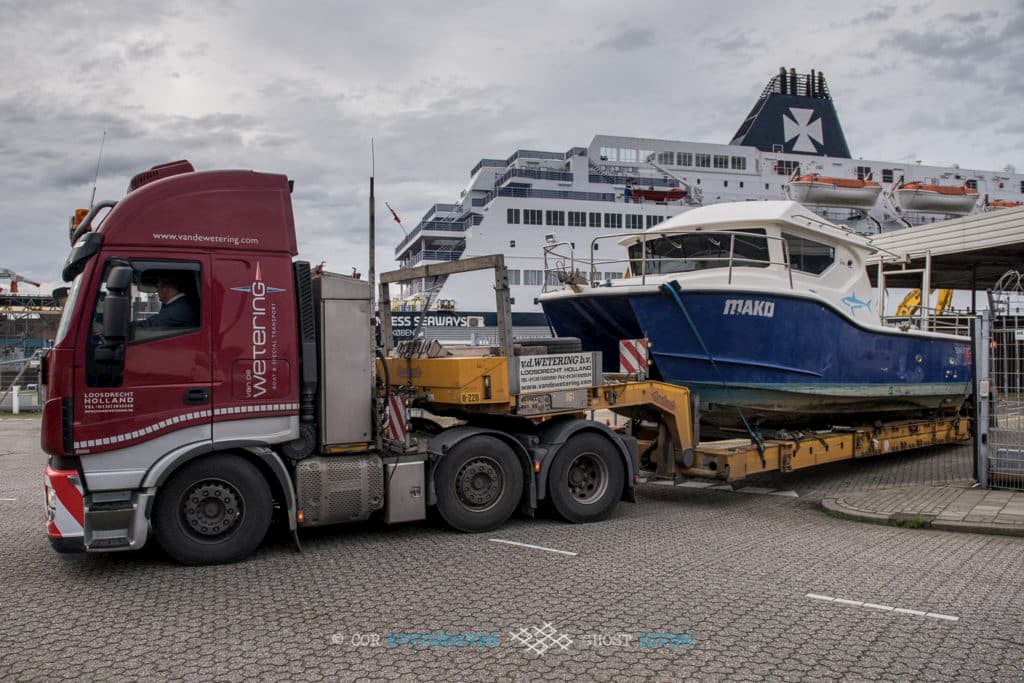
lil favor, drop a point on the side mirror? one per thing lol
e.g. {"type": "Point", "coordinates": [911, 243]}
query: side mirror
{"type": "Point", "coordinates": [117, 304]}
{"type": "Point", "coordinates": [119, 279]}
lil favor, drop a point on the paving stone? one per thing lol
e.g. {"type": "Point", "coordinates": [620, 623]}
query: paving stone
{"type": "Point", "coordinates": [732, 570]}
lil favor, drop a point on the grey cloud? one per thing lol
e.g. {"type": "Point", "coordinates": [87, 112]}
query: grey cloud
{"type": "Point", "coordinates": [876, 16]}
{"type": "Point", "coordinates": [627, 40]}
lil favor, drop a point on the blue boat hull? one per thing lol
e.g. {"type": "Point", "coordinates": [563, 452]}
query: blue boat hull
{"type": "Point", "coordinates": [782, 360]}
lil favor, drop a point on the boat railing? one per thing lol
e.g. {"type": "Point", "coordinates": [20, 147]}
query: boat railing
{"type": "Point", "coordinates": [731, 260]}
{"type": "Point", "coordinates": [949, 322]}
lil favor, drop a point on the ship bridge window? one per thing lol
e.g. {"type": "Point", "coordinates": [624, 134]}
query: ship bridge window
{"type": "Point", "coordinates": [700, 251]}
{"type": "Point", "coordinates": [739, 163]}
{"type": "Point", "coordinates": [809, 256]}
{"type": "Point", "coordinates": [721, 161]}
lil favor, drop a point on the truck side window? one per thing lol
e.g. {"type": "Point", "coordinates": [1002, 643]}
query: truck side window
{"type": "Point", "coordinates": [165, 302]}
{"type": "Point", "coordinates": [165, 296]}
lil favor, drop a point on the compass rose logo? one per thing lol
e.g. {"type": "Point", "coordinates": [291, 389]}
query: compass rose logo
{"type": "Point", "coordinates": [803, 129]}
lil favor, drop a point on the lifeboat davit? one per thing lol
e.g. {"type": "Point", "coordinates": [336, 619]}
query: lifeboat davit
{"type": "Point", "coordinates": [957, 200]}
{"type": "Point", "coordinates": [846, 193]}
{"type": "Point", "coordinates": [652, 195]}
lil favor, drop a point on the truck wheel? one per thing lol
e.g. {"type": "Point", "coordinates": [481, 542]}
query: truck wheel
{"type": "Point", "coordinates": [479, 483]}
{"type": "Point", "coordinates": [586, 478]}
{"type": "Point", "coordinates": [212, 511]}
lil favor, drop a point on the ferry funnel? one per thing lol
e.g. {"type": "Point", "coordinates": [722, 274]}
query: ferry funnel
{"type": "Point", "coordinates": [794, 114]}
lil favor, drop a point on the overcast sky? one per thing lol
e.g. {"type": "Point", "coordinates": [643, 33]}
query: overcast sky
{"type": "Point", "coordinates": [300, 88]}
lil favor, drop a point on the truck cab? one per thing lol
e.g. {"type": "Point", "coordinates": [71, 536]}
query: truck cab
{"type": "Point", "coordinates": [203, 381]}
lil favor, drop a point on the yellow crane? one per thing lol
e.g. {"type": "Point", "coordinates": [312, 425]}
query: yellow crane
{"type": "Point", "coordinates": [912, 302]}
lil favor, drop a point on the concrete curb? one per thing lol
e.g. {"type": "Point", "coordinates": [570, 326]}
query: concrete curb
{"type": "Point", "coordinates": [836, 507]}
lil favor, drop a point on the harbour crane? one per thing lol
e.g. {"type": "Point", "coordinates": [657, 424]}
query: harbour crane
{"type": "Point", "coordinates": [8, 274]}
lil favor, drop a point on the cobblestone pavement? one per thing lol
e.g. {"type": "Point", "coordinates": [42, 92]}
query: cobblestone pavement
{"type": "Point", "coordinates": [730, 573]}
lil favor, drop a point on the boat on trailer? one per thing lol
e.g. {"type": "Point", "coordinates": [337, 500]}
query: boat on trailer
{"type": "Point", "coordinates": [765, 311]}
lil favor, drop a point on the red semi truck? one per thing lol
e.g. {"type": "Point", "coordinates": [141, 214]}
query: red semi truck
{"type": "Point", "coordinates": [254, 392]}
{"type": "Point", "coordinates": [257, 397]}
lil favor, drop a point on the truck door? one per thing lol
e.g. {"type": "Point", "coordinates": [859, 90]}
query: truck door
{"type": "Point", "coordinates": [150, 394]}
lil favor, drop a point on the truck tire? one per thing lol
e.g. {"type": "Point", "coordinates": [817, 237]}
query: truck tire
{"type": "Point", "coordinates": [212, 511]}
{"type": "Point", "coordinates": [555, 344]}
{"type": "Point", "coordinates": [586, 478]}
{"type": "Point", "coordinates": [479, 483]}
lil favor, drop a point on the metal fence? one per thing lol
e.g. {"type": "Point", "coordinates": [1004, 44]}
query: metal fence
{"type": "Point", "coordinates": [1000, 371]}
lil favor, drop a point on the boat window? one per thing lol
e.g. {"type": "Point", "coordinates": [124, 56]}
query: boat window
{"type": "Point", "coordinates": [595, 219]}
{"type": "Point", "coordinates": [786, 166]}
{"type": "Point", "coordinates": [721, 161]}
{"type": "Point", "coordinates": [634, 221]}
{"type": "Point", "coordinates": [863, 173]}
{"type": "Point", "coordinates": [809, 256]}
{"type": "Point", "coordinates": [739, 163]}
{"type": "Point", "coordinates": [613, 220]}
{"type": "Point", "coordinates": [609, 154]}
{"type": "Point", "coordinates": [700, 251]}
{"type": "Point", "coordinates": [577, 219]}
{"type": "Point", "coordinates": [704, 160]}
{"type": "Point", "coordinates": [667, 158]}
{"type": "Point", "coordinates": [684, 159]}
{"type": "Point", "coordinates": [886, 175]}
{"type": "Point", "coordinates": [972, 184]}
{"type": "Point", "coordinates": [513, 216]}
{"type": "Point", "coordinates": [533, 277]}
{"type": "Point", "coordinates": [532, 216]}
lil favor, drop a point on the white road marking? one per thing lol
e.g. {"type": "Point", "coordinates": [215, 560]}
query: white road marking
{"type": "Point", "coordinates": [535, 547]}
{"type": "Point", "coordinates": [884, 608]}
{"type": "Point", "coordinates": [693, 484]}
{"type": "Point", "coordinates": [754, 489]}
{"type": "Point", "coordinates": [7, 500]}
{"type": "Point", "coordinates": [787, 494]}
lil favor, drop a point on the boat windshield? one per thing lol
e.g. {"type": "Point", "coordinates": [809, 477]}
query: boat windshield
{"type": "Point", "coordinates": [700, 250]}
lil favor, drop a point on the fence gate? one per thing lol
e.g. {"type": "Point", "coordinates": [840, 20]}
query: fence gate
{"type": "Point", "coordinates": [1001, 386]}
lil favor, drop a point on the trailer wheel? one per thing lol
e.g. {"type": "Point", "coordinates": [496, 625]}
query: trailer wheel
{"type": "Point", "coordinates": [212, 511]}
{"type": "Point", "coordinates": [586, 478]}
{"type": "Point", "coordinates": [479, 483]}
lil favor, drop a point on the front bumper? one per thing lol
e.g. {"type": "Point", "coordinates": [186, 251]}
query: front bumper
{"type": "Point", "coordinates": [101, 521]}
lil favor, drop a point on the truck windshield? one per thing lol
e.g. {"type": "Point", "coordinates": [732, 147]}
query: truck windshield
{"type": "Point", "coordinates": [69, 307]}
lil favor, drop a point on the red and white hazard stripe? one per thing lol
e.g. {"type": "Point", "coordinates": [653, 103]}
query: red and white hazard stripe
{"type": "Point", "coordinates": [65, 509]}
{"type": "Point", "coordinates": [633, 356]}
{"type": "Point", "coordinates": [397, 424]}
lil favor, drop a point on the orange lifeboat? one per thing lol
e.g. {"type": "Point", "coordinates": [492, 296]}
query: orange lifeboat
{"type": "Point", "coordinates": [819, 190]}
{"type": "Point", "coordinates": [652, 195]}
{"type": "Point", "coordinates": [917, 195]}
{"type": "Point", "coordinates": [1002, 204]}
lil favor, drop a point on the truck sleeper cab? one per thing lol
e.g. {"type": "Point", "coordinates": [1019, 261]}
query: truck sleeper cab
{"type": "Point", "coordinates": [260, 400]}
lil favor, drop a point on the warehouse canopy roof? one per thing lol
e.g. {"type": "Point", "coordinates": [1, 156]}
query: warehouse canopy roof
{"type": "Point", "coordinates": [966, 253]}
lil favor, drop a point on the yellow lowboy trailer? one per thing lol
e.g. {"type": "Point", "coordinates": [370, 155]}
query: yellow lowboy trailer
{"type": "Point", "coordinates": [510, 383]}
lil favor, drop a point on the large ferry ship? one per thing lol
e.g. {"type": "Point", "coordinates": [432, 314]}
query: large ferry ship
{"type": "Point", "coordinates": [790, 146]}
